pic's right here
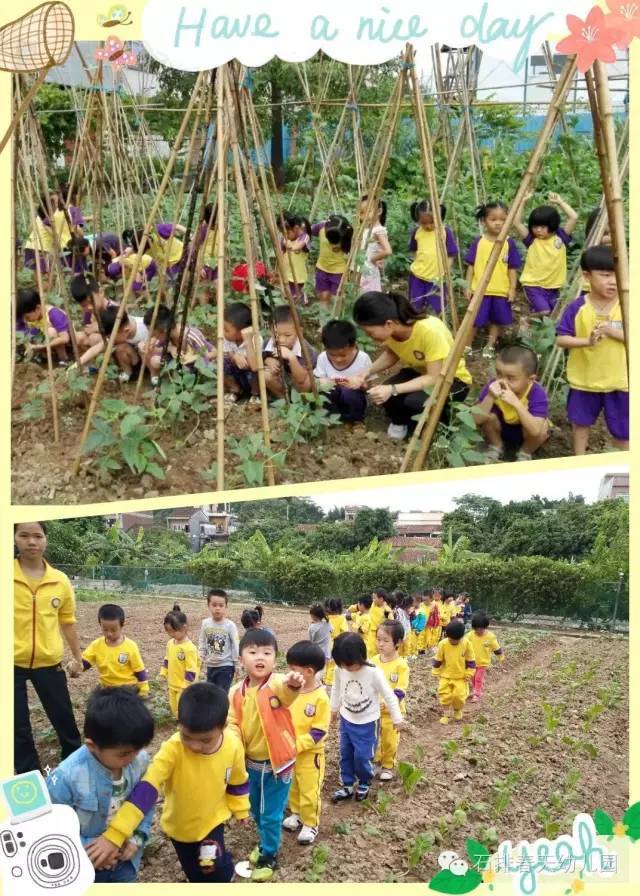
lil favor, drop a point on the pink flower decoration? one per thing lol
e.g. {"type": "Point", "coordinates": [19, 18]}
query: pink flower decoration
{"type": "Point", "coordinates": [625, 17]}
{"type": "Point", "coordinates": [590, 39]}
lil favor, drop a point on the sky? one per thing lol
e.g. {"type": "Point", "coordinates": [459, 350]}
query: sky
{"type": "Point", "coordinates": [440, 496]}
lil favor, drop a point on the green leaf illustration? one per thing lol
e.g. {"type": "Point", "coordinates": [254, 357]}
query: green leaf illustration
{"type": "Point", "coordinates": [604, 823]}
{"type": "Point", "coordinates": [478, 854]}
{"type": "Point", "coordinates": [632, 819]}
{"type": "Point", "coordinates": [446, 882]}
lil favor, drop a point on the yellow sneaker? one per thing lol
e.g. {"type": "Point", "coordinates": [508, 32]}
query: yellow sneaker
{"type": "Point", "coordinates": [444, 720]}
{"type": "Point", "coordinates": [457, 715]}
{"type": "Point", "coordinates": [254, 855]}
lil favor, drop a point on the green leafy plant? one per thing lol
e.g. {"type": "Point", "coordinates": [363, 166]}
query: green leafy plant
{"type": "Point", "coordinates": [450, 748]}
{"type": "Point", "coordinates": [410, 775]}
{"type": "Point", "coordinates": [319, 861]}
{"type": "Point", "coordinates": [418, 847]}
{"type": "Point", "coordinates": [122, 432]}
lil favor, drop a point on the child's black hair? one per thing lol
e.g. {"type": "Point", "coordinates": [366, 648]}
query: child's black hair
{"type": "Point", "coordinates": [520, 354]}
{"type": "Point", "coordinates": [289, 220]}
{"type": "Point", "coordinates": [349, 648]}
{"type": "Point", "coordinates": [281, 315]}
{"type": "Point", "coordinates": [454, 629]}
{"type": "Point", "coordinates": [407, 602]}
{"type": "Point", "coordinates": [425, 208]}
{"type": "Point", "coordinates": [366, 600]}
{"type": "Point", "coordinates": [338, 334]}
{"type": "Point", "coordinates": [77, 245]}
{"type": "Point", "coordinates": [217, 592]}
{"type": "Point", "coordinates": [82, 287]}
{"type": "Point", "coordinates": [597, 258]}
{"type": "Point", "coordinates": [238, 314]}
{"type": "Point", "coordinates": [258, 637]}
{"type": "Point", "coordinates": [382, 208]}
{"type": "Point", "coordinates": [482, 211]}
{"type": "Point", "coordinates": [333, 605]}
{"type": "Point", "coordinates": [203, 707]}
{"type": "Point", "coordinates": [27, 300]}
{"type": "Point", "coordinates": [392, 601]}
{"type": "Point", "coordinates": [395, 629]}
{"type": "Point", "coordinates": [318, 612]}
{"type": "Point", "coordinates": [380, 592]}
{"type": "Point", "coordinates": [306, 653]}
{"type": "Point", "coordinates": [117, 717]}
{"type": "Point", "coordinates": [175, 619]}
{"type": "Point", "coordinates": [545, 216]}
{"type": "Point", "coordinates": [480, 619]}
{"type": "Point", "coordinates": [210, 214]}
{"type": "Point", "coordinates": [251, 618]}
{"type": "Point", "coordinates": [163, 319]}
{"type": "Point", "coordinates": [108, 319]}
{"type": "Point", "coordinates": [111, 613]}
{"type": "Point", "coordinates": [374, 309]}
{"type": "Point", "coordinates": [339, 232]}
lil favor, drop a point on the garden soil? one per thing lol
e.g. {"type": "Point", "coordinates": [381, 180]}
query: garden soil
{"type": "Point", "coordinates": [548, 739]}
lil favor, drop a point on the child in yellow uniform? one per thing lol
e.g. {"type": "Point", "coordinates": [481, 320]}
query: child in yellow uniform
{"type": "Point", "coordinates": [363, 626]}
{"type": "Point", "coordinates": [338, 624]}
{"type": "Point", "coordinates": [116, 657]}
{"type": "Point", "coordinates": [396, 670]}
{"type": "Point", "coordinates": [311, 714]}
{"type": "Point", "coordinates": [454, 664]}
{"type": "Point", "coordinates": [446, 611]}
{"type": "Point", "coordinates": [484, 644]}
{"type": "Point", "coordinates": [591, 329]}
{"type": "Point", "coordinates": [380, 610]}
{"type": "Point", "coordinates": [259, 715]}
{"type": "Point", "coordinates": [202, 772]}
{"type": "Point", "coordinates": [334, 236]}
{"type": "Point", "coordinates": [181, 662]}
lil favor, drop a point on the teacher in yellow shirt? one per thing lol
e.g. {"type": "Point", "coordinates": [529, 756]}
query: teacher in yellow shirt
{"type": "Point", "coordinates": [44, 613]}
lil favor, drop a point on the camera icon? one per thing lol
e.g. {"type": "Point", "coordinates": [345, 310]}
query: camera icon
{"type": "Point", "coordinates": [41, 850]}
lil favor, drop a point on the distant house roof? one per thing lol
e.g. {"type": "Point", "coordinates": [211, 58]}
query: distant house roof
{"type": "Point", "coordinates": [182, 513]}
{"type": "Point", "coordinates": [140, 520]}
{"type": "Point", "coordinates": [417, 528]}
{"type": "Point", "coordinates": [421, 542]}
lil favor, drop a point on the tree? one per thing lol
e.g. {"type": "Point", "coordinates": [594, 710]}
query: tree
{"type": "Point", "coordinates": [335, 515]}
{"type": "Point", "coordinates": [290, 510]}
{"type": "Point", "coordinates": [610, 552]}
{"type": "Point", "coordinates": [372, 523]}
{"type": "Point", "coordinates": [331, 538]}
{"type": "Point", "coordinates": [56, 115]}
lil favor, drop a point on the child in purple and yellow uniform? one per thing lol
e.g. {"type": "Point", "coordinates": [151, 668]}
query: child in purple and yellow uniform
{"type": "Point", "coordinates": [32, 316]}
{"type": "Point", "coordinates": [485, 645]}
{"type": "Point", "coordinates": [395, 669]}
{"type": "Point", "coordinates": [162, 245]}
{"type": "Point", "coordinates": [495, 310]}
{"type": "Point", "coordinates": [116, 657]}
{"type": "Point", "coordinates": [295, 245]}
{"type": "Point", "coordinates": [546, 240]}
{"type": "Point", "coordinates": [89, 294]}
{"type": "Point", "coordinates": [311, 714]}
{"type": "Point", "coordinates": [591, 329]}
{"type": "Point", "coordinates": [281, 350]}
{"type": "Point", "coordinates": [165, 330]}
{"type": "Point", "coordinates": [181, 663]}
{"type": "Point", "coordinates": [426, 272]}
{"type": "Point", "coordinates": [338, 623]}
{"type": "Point", "coordinates": [334, 236]}
{"type": "Point", "coordinates": [454, 665]}
{"type": "Point", "coordinates": [514, 406]}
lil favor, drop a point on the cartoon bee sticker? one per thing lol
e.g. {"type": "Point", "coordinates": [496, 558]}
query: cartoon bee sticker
{"type": "Point", "coordinates": [115, 53]}
{"type": "Point", "coordinates": [117, 15]}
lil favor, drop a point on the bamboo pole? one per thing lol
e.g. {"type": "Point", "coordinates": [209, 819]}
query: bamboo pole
{"type": "Point", "coordinates": [22, 107]}
{"type": "Point", "coordinates": [134, 271]}
{"type": "Point", "coordinates": [430, 417]}
{"type": "Point", "coordinates": [426, 153]}
{"type": "Point", "coordinates": [548, 58]}
{"type": "Point", "coordinates": [613, 197]}
{"type": "Point", "coordinates": [220, 224]}
{"type": "Point", "coordinates": [251, 275]}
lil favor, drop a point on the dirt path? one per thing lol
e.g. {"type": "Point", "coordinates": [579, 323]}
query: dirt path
{"type": "Point", "coordinates": [549, 739]}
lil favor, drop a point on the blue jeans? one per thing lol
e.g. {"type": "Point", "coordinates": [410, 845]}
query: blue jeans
{"type": "Point", "coordinates": [221, 675]}
{"type": "Point", "coordinates": [123, 873]}
{"type": "Point", "coordinates": [268, 797]}
{"type": "Point", "coordinates": [357, 749]}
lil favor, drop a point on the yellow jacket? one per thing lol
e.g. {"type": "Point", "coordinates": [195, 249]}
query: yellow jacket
{"type": "Point", "coordinates": [38, 615]}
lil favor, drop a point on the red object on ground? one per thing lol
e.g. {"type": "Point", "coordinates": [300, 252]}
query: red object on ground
{"type": "Point", "coordinates": [240, 279]}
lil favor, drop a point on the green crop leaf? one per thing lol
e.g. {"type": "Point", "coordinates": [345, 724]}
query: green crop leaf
{"type": "Point", "coordinates": [478, 853]}
{"type": "Point", "coordinates": [446, 882]}
{"type": "Point", "coordinates": [632, 819]}
{"type": "Point", "coordinates": [603, 822]}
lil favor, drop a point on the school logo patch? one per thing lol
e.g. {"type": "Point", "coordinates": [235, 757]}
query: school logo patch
{"type": "Point", "coordinates": [55, 602]}
{"type": "Point", "coordinates": [393, 678]}
{"type": "Point", "coordinates": [558, 243]}
{"type": "Point", "coordinates": [309, 710]}
{"type": "Point", "coordinates": [419, 356]}
{"type": "Point", "coordinates": [123, 658]}
{"type": "Point", "coordinates": [274, 702]}
{"type": "Point", "coordinates": [181, 655]}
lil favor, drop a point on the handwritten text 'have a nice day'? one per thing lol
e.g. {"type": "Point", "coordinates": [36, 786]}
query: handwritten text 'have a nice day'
{"type": "Point", "coordinates": [196, 26]}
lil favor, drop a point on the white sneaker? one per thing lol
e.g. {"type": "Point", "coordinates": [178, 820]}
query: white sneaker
{"type": "Point", "coordinates": [155, 380]}
{"type": "Point", "coordinates": [307, 834]}
{"type": "Point", "coordinates": [397, 431]}
{"type": "Point", "coordinates": [386, 774]}
{"type": "Point", "coordinates": [292, 823]}
{"type": "Point", "coordinates": [124, 377]}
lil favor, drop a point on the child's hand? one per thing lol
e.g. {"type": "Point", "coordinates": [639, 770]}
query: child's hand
{"type": "Point", "coordinates": [286, 353]}
{"type": "Point", "coordinates": [379, 394]}
{"type": "Point", "coordinates": [497, 388]}
{"type": "Point", "coordinates": [595, 337]}
{"type": "Point", "coordinates": [401, 726]}
{"type": "Point", "coordinates": [240, 361]}
{"type": "Point", "coordinates": [294, 680]}
{"type": "Point", "coordinates": [112, 253]}
{"type": "Point", "coordinates": [511, 297]}
{"type": "Point", "coordinates": [509, 396]}
{"type": "Point", "coordinates": [554, 198]}
{"type": "Point", "coordinates": [247, 333]}
{"type": "Point", "coordinates": [102, 853]}
{"type": "Point", "coordinates": [75, 668]}
{"type": "Point", "coordinates": [356, 382]}
{"type": "Point", "coordinates": [128, 851]}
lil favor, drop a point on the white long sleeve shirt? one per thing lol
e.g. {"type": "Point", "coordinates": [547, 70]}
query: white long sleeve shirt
{"type": "Point", "coordinates": [357, 695]}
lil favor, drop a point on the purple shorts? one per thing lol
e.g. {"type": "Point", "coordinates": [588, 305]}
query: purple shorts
{"type": "Point", "coordinates": [173, 270]}
{"type": "Point", "coordinates": [297, 291]}
{"type": "Point", "coordinates": [327, 282]}
{"type": "Point", "coordinates": [541, 300]}
{"type": "Point", "coordinates": [242, 378]}
{"type": "Point", "coordinates": [512, 433]}
{"type": "Point", "coordinates": [424, 294]}
{"type": "Point", "coordinates": [208, 273]}
{"type": "Point", "coordinates": [494, 310]}
{"type": "Point", "coordinates": [584, 408]}
{"type": "Point", "coordinates": [30, 260]}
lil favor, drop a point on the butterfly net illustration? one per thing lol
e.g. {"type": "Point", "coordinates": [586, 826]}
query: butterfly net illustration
{"type": "Point", "coordinates": [38, 40]}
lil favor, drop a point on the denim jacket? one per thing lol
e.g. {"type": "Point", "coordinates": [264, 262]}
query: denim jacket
{"type": "Point", "coordinates": [83, 783]}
